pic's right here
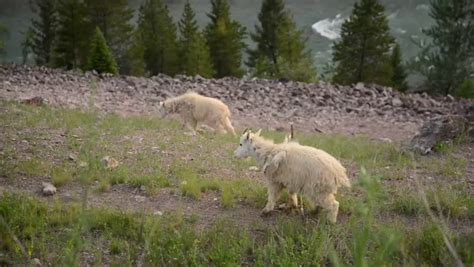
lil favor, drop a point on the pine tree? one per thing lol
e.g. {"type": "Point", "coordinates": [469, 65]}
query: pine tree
{"type": "Point", "coordinates": [3, 36]}
{"type": "Point", "coordinates": [113, 17]}
{"type": "Point", "coordinates": [71, 46]}
{"type": "Point", "coordinates": [272, 15]}
{"type": "Point", "coordinates": [100, 57]}
{"type": "Point", "coordinates": [363, 53]}
{"type": "Point", "coordinates": [448, 61]}
{"type": "Point", "coordinates": [27, 46]}
{"type": "Point", "coordinates": [225, 39]}
{"type": "Point", "coordinates": [281, 49]}
{"type": "Point", "coordinates": [136, 56]}
{"type": "Point", "coordinates": [158, 38]}
{"type": "Point", "coordinates": [194, 53]}
{"type": "Point", "coordinates": [399, 74]}
{"type": "Point", "coordinates": [43, 30]}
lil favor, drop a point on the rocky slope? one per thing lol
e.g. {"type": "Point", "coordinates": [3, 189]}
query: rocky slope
{"type": "Point", "coordinates": [376, 111]}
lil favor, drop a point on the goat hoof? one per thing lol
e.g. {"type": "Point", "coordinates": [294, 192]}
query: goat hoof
{"type": "Point", "coordinates": [265, 213]}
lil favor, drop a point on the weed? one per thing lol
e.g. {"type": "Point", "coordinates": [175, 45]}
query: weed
{"type": "Point", "coordinates": [61, 176]}
{"type": "Point", "coordinates": [117, 246]}
{"type": "Point", "coordinates": [119, 175]}
{"type": "Point", "coordinates": [104, 185]}
{"type": "Point", "coordinates": [242, 190]}
{"type": "Point", "coordinates": [407, 203]}
{"type": "Point", "coordinates": [31, 167]}
{"type": "Point", "coordinates": [427, 245]}
{"type": "Point", "coordinates": [448, 167]}
{"type": "Point", "coordinates": [451, 202]}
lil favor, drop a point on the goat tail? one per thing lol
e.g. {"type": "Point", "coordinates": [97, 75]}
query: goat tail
{"type": "Point", "coordinates": [343, 181]}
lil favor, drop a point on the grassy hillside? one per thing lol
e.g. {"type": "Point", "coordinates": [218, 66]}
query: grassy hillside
{"type": "Point", "coordinates": [180, 200]}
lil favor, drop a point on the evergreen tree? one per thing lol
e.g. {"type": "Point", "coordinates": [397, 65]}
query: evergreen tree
{"type": "Point", "coordinates": [363, 53]}
{"type": "Point", "coordinates": [42, 30]}
{"type": "Point", "coordinates": [27, 46]}
{"type": "Point", "coordinates": [113, 17]}
{"type": "Point", "coordinates": [272, 15]}
{"type": "Point", "coordinates": [296, 62]}
{"type": "Point", "coordinates": [135, 56]}
{"type": "Point", "coordinates": [194, 53]}
{"type": "Point", "coordinates": [3, 37]}
{"type": "Point", "coordinates": [225, 39]}
{"type": "Point", "coordinates": [448, 61]}
{"type": "Point", "coordinates": [158, 38]}
{"type": "Point", "coordinates": [100, 57]}
{"type": "Point", "coordinates": [399, 74]}
{"type": "Point", "coordinates": [281, 49]}
{"type": "Point", "coordinates": [71, 44]}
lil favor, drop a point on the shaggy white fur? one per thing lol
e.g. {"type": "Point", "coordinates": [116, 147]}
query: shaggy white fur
{"type": "Point", "coordinates": [194, 109]}
{"type": "Point", "coordinates": [302, 169]}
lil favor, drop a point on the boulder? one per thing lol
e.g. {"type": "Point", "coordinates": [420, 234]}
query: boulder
{"type": "Point", "coordinates": [443, 129]}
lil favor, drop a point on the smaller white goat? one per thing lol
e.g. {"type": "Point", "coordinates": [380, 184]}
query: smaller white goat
{"type": "Point", "coordinates": [194, 109]}
{"type": "Point", "coordinates": [301, 169]}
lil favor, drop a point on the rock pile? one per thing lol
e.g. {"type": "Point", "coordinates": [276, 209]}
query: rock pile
{"type": "Point", "coordinates": [310, 106]}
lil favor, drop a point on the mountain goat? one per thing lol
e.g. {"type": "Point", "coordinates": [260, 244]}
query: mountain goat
{"type": "Point", "coordinates": [301, 169]}
{"type": "Point", "coordinates": [196, 109]}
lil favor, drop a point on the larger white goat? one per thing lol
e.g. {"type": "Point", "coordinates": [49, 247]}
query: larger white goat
{"type": "Point", "coordinates": [301, 169]}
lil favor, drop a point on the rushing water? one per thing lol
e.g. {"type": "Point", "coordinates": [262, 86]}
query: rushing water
{"type": "Point", "coordinates": [320, 19]}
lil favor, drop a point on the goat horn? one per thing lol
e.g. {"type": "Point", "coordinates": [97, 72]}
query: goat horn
{"type": "Point", "coordinates": [292, 135]}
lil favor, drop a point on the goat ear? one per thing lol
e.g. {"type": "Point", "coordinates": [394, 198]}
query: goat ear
{"type": "Point", "coordinates": [258, 132]}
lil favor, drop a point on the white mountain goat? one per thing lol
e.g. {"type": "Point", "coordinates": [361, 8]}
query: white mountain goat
{"type": "Point", "coordinates": [301, 169]}
{"type": "Point", "coordinates": [293, 195]}
{"type": "Point", "coordinates": [196, 109]}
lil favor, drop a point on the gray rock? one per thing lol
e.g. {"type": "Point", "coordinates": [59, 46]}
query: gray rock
{"type": "Point", "coordinates": [48, 189]}
{"type": "Point", "coordinates": [396, 102]}
{"type": "Point", "coordinates": [72, 157]}
{"type": "Point", "coordinates": [36, 262]}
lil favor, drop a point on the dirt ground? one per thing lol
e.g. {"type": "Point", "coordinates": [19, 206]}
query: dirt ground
{"type": "Point", "coordinates": [128, 198]}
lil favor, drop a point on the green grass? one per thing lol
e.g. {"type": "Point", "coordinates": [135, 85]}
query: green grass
{"type": "Point", "coordinates": [383, 219]}
{"type": "Point", "coordinates": [31, 167]}
{"type": "Point", "coordinates": [451, 202]}
{"type": "Point", "coordinates": [171, 240]}
{"type": "Point", "coordinates": [232, 191]}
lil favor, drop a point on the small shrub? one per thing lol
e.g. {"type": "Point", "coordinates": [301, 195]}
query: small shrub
{"type": "Point", "coordinates": [407, 203]}
{"type": "Point", "coordinates": [453, 202]}
{"type": "Point", "coordinates": [191, 187]}
{"type": "Point", "coordinates": [427, 245]}
{"type": "Point", "coordinates": [60, 176]}
{"type": "Point", "coordinates": [104, 185]}
{"type": "Point", "coordinates": [119, 176]}
{"type": "Point", "coordinates": [466, 89]}
{"type": "Point", "coordinates": [117, 246]}
{"type": "Point", "coordinates": [151, 181]}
